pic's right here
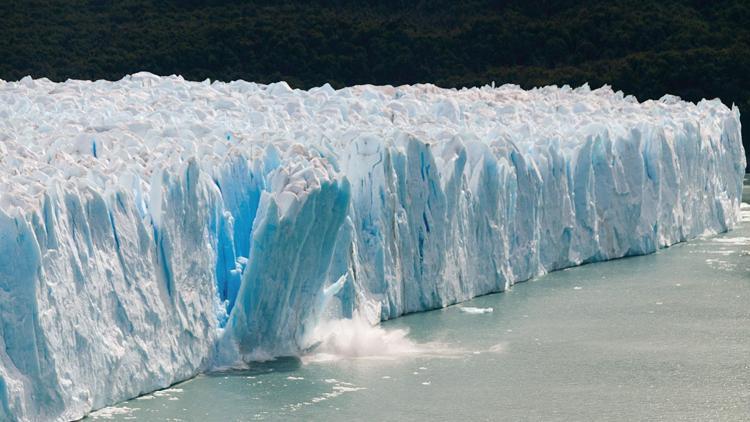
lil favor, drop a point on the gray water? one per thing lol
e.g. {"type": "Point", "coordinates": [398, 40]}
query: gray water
{"type": "Point", "coordinates": [658, 337]}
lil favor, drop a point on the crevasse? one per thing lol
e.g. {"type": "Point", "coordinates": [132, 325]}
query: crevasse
{"type": "Point", "coordinates": [152, 228]}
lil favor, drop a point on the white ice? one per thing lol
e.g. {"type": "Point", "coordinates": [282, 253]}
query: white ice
{"type": "Point", "coordinates": [474, 310]}
{"type": "Point", "coordinates": [151, 228]}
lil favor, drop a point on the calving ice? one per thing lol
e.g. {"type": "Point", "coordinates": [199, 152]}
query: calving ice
{"type": "Point", "coordinates": [153, 228]}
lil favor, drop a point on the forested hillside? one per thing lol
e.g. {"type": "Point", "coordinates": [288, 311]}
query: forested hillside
{"type": "Point", "coordinates": [648, 48]}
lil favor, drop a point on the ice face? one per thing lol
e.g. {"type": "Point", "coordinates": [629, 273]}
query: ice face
{"type": "Point", "coordinates": [152, 228]}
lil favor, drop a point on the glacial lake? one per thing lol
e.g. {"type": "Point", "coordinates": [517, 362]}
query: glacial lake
{"type": "Point", "coordinates": [658, 337]}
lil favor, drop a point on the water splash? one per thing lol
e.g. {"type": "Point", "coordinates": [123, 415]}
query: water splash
{"type": "Point", "coordinates": [357, 339]}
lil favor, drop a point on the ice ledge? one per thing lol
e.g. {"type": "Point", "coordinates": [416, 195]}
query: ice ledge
{"type": "Point", "coordinates": [151, 228]}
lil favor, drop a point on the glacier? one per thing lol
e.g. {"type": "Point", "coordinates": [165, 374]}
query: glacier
{"type": "Point", "coordinates": [152, 228]}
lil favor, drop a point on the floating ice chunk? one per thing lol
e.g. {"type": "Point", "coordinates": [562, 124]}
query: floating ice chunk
{"type": "Point", "coordinates": [475, 311]}
{"type": "Point", "coordinates": [112, 412]}
{"type": "Point", "coordinates": [498, 348]}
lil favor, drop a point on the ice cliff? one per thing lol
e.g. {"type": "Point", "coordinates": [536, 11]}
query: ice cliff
{"type": "Point", "coordinates": [152, 228]}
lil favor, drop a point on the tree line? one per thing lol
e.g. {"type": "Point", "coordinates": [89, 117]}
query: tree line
{"type": "Point", "coordinates": [691, 48]}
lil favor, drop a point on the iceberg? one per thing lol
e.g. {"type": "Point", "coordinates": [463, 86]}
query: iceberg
{"type": "Point", "coordinates": [152, 228]}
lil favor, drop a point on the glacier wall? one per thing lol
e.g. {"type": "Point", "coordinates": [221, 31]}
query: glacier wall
{"type": "Point", "coordinates": [152, 228]}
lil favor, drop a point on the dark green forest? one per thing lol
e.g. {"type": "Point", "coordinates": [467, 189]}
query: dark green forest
{"type": "Point", "coordinates": [694, 48]}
